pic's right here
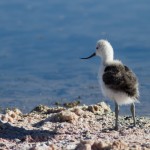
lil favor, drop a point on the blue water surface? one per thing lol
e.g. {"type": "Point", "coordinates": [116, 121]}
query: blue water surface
{"type": "Point", "coordinates": [41, 43]}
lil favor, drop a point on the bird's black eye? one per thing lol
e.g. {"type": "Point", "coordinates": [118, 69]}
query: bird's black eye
{"type": "Point", "coordinates": [96, 47]}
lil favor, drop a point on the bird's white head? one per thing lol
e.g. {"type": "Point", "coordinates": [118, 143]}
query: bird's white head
{"type": "Point", "coordinates": [104, 50]}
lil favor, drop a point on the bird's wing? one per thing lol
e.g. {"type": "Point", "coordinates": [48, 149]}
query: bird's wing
{"type": "Point", "coordinates": [120, 78]}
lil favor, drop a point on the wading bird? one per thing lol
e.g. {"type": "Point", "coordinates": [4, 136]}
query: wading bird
{"type": "Point", "coordinates": [117, 81]}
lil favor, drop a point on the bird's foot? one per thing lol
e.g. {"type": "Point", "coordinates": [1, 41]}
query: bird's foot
{"type": "Point", "coordinates": [116, 128]}
{"type": "Point", "coordinates": [132, 126]}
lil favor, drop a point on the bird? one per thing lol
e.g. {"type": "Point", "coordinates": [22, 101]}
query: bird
{"type": "Point", "coordinates": [117, 81]}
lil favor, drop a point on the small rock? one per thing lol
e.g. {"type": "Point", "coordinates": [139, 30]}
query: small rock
{"type": "Point", "coordinates": [78, 111]}
{"type": "Point", "coordinates": [71, 104]}
{"type": "Point", "coordinates": [67, 116]}
{"type": "Point", "coordinates": [147, 145]}
{"type": "Point", "coordinates": [40, 109]}
{"type": "Point", "coordinates": [17, 140]}
{"type": "Point", "coordinates": [100, 145]}
{"type": "Point", "coordinates": [52, 147]}
{"type": "Point", "coordinates": [87, 142]}
{"type": "Point", "coordinates": [100, 108]}
{"type": "Point", "coordinates": [27, 138]}
{"type": "Point", "coordinates": [41, 146]}
{"type": "Point", "coordinates": [11, 114]}
{"type": "Point", "coordinates": [10, 119]}
{"type": "Point", "coordinates": [55, 110]}
{"type": "Point", "coordinates": [2, 145]}
{"type": "Point", "coordinates": [70, 146]}
{"type": "Point", "coordinates": [17, 111]}
{"type": "Point", "coordinates": [83, 147]}
{"type": "Point", "coordinates": [4, 118]}
{"type": "Point", "coordinates": [119, 145]}
{"type": "Point", "coordinates": [94, 109]}
{"type": "Point", "coordinates": [104, 106]}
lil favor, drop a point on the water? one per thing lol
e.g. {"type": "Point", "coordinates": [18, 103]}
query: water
{"type": "Point", "coordinates": [41, 43]}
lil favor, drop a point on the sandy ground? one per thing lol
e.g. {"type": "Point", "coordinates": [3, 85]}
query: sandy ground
{"type": "Point", "coordinates": [80, 128]}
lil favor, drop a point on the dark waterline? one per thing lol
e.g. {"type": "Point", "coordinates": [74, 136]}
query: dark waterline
{"type": "Point", "coordinates": [41, 43]}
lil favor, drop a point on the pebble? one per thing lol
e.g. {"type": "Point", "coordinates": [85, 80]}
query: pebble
{"type": "Point", "coordinates": [2, 144]}
{"type": "Point", "coordinates": [147, 145]}
{"type": "Point", "coordinates": [17, 140]}
{"type": "Point", "coordinates": [70, 146]}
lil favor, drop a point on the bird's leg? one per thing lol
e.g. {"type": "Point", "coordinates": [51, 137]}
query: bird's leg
{"type": "Point", "coordinates": [116, 115]}
{"type": "Point", "coordinates": [132, 108]}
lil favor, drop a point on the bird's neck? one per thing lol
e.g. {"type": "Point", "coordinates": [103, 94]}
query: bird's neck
{"type": "Point", "coordinates": [107, 58]}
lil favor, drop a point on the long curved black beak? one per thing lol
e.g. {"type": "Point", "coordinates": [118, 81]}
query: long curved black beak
{"type": "Point", "coordinates": [94, 54]}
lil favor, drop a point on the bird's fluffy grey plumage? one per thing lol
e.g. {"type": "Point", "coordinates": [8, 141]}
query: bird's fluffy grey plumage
{"type": "Point", "coordinates": [120, 78]}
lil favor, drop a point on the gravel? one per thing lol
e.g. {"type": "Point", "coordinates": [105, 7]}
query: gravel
{"type": "Point", "coordinates": [78, 128]}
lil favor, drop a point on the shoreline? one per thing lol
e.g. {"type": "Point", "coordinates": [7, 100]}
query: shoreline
{"type": "Point", "coordinates": [78, 127]}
